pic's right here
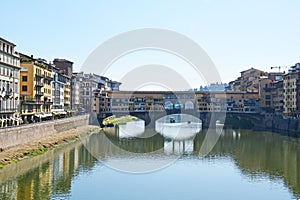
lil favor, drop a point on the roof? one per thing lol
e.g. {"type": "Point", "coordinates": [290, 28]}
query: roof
{"type": "Point", "coordinates": [6, 41]}
{"type": "Point", "coordinates": [38, 60]}
{"type": "Point", "coordinates": [62, 60]}
{"type": "Point", "coordinates": [251, 69]}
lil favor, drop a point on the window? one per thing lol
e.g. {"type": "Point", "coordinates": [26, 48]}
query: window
{"type": "Point", "coordinates": [24, 78]}
{"type": "Point", "coordinates": [24, 88]}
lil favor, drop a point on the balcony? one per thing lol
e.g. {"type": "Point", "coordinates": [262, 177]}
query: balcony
{"type": "Point", "coordinates": [48, 77]}
{"type": "Point", "coordinates": [39, 84]}
{"type": "Point", "coordinates": [32, 102]}
{"type": "Point", "coordinates": [9, 93]}
{"type": "Point", "coordinates": [37, 75]}
{"type": "Point", "coordinates": [39, 93]}
{"type": "Point", "coordinates": [3, 110]}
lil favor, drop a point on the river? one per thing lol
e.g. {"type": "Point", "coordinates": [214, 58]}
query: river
{"type": "Point", "coordinates": [243, 164]}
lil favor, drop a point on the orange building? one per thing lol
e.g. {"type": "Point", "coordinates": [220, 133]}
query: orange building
{"type": "Point", "coordinates": [35, 88]}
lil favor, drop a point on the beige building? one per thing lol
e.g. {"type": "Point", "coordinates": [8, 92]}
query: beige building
{"type": "Point", "coordinates": [271, 93]}
{"type": "Point", "coordinates": [247, 82]}
{"type": "Point", "coordinates": [67, 94]}
{"type": "Point", "coordinates": [291, 86]}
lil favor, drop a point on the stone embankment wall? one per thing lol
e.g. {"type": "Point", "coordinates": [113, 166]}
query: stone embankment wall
{"type": "Point", "coordinates": [13, 136]}
{"type": "Point", "coordinates": [288, 127]}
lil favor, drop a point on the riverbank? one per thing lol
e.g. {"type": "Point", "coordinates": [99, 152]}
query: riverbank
{"type": "Point", "coordinates": [40, 146]}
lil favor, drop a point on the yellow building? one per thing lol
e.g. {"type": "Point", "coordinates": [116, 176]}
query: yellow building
{"type": "Point", "coordinates": [67, 94]}
{"type": "Point", "coordinates": [290, 94]}
{"type": "Point", "coordinates": [35, 88]}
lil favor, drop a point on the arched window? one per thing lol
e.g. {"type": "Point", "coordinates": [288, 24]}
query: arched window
{"type": "Point", "coordinates": [178, 105]}
{"type": "Point", "coordinates": [168, 105]}
{"type": "Point", "coordinates": [189, 105]}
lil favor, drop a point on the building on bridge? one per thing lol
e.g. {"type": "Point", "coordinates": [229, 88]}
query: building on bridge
{"type": "Point", "coordinates": [128, 102]}
{"type": "Point", "coordinates": [271, 93]}
{"type": "Point", "coordinates": [291, 87]}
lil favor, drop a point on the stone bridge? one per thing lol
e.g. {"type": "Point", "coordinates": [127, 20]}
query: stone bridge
{"type": "Point", "coordinates": [208, 118]}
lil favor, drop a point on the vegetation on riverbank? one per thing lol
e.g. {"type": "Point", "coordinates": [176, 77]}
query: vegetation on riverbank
{"type": "Point", "coordinates": [113, 120]}
{"type": "Point", "coordinates": [41, 146]}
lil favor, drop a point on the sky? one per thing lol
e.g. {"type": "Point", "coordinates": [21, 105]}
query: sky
{"type": "Point", "coordinates": [235, 34]}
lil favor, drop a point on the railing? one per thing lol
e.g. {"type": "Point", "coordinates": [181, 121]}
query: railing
{"type": "Point", "coordinates": [39, 93]}
{"type": "Point", "coordinates": [48, 77]}
{"type": "Point", "coordinates": [39, 75]}
{"type": "Point", "coordinates": [7, 110]}
{"type": "Point", "coordinates": [8, 93]}
{"type": "Point", "coordinates": [39, 84]}
{"type": "Point", "coordinates": [32, 101]}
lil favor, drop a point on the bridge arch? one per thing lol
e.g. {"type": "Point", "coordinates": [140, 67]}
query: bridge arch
{"type": "Point", "coordinates": [178, 105]}
{"type": "Point", "coordinates": [168, 105]}
{"type": "Point", "coordinates": [189, 105]}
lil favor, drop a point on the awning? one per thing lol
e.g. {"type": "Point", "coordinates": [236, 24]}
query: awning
{"type": "Point", "coordinates": [38, 115]}
{"type": "Point", "coordinates": [60, 113]}
{"type": "Point", "coordinates": [46, 115]}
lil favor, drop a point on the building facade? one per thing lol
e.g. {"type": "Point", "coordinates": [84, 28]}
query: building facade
{"type": "Point", "coordinates": [9, 84]}
{"type": "Point", "coordinates": [35, 88]}
{"type": "Point", "coordinates": [64, 65]}
{"type": "Point", "coordinates": [65, 68]}
{"type": "Point", "coordinates": [75, 92]}
{"type": "Point", "coordinates": [86, 86]}
{"type": "Point", "coordinates": [247, 82]}
{"type": "Point", "coordinates": [58, 91]}
{"type": "Point", "coordinates": [291, 88]}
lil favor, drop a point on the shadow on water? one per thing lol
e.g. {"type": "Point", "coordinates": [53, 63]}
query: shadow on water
{"type": "Point", "coordinates": [256, 154]}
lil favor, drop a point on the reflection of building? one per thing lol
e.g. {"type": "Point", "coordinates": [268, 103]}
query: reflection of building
{"type": "Point", "coordinates": [49, 177]}
{"type": "Point", "coordinates": [9, 84]}
{"type": "Point", "coordinates": [35, 88]}
{"type": "Point", "coordinates": [178, 147]}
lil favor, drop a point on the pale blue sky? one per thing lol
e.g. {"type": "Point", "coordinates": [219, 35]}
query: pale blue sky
{"type": "Point", "coordinates": [236, 34]}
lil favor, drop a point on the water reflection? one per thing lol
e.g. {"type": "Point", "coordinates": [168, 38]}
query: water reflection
{"type": "Point", "coordinates": [45, 176]}
{"type": "Point", "coordinates": [178, 126]}
{"type": "Point", "coordinates": [130, 129]}
{"type": "Point", "coordinates": [258, 155]}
